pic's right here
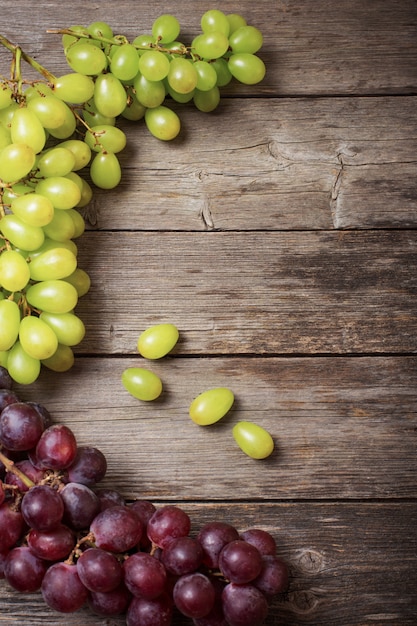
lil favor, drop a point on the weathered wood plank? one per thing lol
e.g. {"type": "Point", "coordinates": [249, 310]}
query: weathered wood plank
{"type": "Point", "coordinates": [343, 428]}
{"type": "Point", "coordinates": [256, 293]}
{"type": "Point", "coordinates": [350, 564]}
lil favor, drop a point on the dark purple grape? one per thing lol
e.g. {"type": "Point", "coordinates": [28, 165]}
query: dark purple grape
{"type": "Point", "coordinates": [261, 539]}
{"type": "Point", "coordinates": [240, 562]}
{"type": "Point", "coordinates": [89, 466]}
{"type": "Point", "coordinates": [53, 545]}
{"type": "Point", "coordinates": [166, 524]}
{"type": "Point", "coordinates": [62, 589]}
{"type": "Point", "coordinates": [274, 576]}
{"type": "Point", "coordinates": [109, 498]}
{"type": "Point", "coordinates": [6, 381]}
{"type": "Point", "coordinates": [110, 603]}
{"type": "Point", "coordinates": [20, 426]}
{"type": "Point", "coordinates": [81, 505]}
{"type": "Point", "coordinates": [12, 526]}
{"type": "Point", "coordinates": [244, 605]}
{"type": "Point", "coordinates": [144, 510]}
{"type": "Point", "coordinates": [23, 570]}
{"type": "Point", "coordinates": [43, 412]}
{"type": "Point", "coordinates": [144, 575]}
{"type": "Point", "coordinates": [57, 447]}
{"type": "Point", "coordinates": [116, 529]}
{"type": "Point", "coordinates": [42, 508]}
{"type": "Point", "coordinates": [194, 595]}
{"type": "Point", "coordinates": [216, 616]}
{"type": "Point", "coordinates": [182, 556]}
{"type": "Point", "coordinates": [213, 537]}
{"type": "Point", "coordinates": [99, 570]}
{"type": "Point", "coordinates": [7, 396]}
{"type": "Point", "coordinates": [29, 470]}
{"type": "Point", "coordinates": [143, 612]}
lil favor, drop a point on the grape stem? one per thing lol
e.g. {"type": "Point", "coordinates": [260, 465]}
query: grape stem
{"type": "Point", "coordinates": [18, 54]}
{"type": "Point", "coordinates": [11, 467]}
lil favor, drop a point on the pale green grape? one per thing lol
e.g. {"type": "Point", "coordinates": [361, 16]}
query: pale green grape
{"type": "Point", "coordinates": [80, 150]}
{"type": "Point", "coordinates": [50, 110]}
{"type": "Point", "coordinates": [143, 43]}
{"type": "Point", "coordinates": [5, 137]}
{"type": "Point", "coordinates": [86, 196]}
{"type": "Point", "coordinates": [179, 97]}
{"type": "Point", "coordinates": [68, 40]}
{"type": "Point", "coordinates": [33, 209]}
{"type": "Point", "coordinates": [235, 21]}
{"type": "Point", "coordinates": [23, 368]}
{"type": "Point", "coordinates": [142, 383]}
{"type": "Point", "coordinates": [53, 296]}
{"type": "Point", "coordinates": [247, 68]}
{"type": "Point", "coordinates": [207, 76]}
{"type": "Point", "coordinates": [6, 95]}
{"type": "Point", "coordinates": [246, 39]}
{"type": "Point", "coordinates": [50, 244]}
{"type": "Point", "coordinates": [38, 89]}
{"type": "Point", "coordinates": [86, 59]}
{"type": "Point", "coordinates": [74, 88]}
{"type": "Point", "coordinates": [154, 65]}
{"type": "Point", "coordinates": [110, 96]}
{"type": "Point", "coordinates": [52, 264]}
{"type": "Point", "coordinates": [37, 339]}
{"type": "Point", "coordinates": [211, 405]}
{"type": "Point", "coordinates": [63, 192]}
{"type": "Point", "coordinates": [16, 161]}
{"type": "Point", "coordinates": [104, 137]}
{"type": "Point", "coordinates": [125, 62]}
{"type": "Point", "coordinates": [215, 21]}
{"type": "Point", "coordinates": [207, 101]}
{"type": "Point", "coordinates": [134, 110]}
{"type": "Point", "coordinates": [157, 341]}
{"type": "Point", "coordinates": [9, 323]}
{"type": "Point", "coordinates": [16, 190]}
{"type": "Point", "coordinates": [105, 170]}
{"type": "Point", "coordinates": [182, 75]}
{"type": "Point", "coordinates": [100, 29]}
{"type": "Point", "coordinates": [80, 280]}
{"type": "Point", "coordinates": [253, 440]}
{"type": "Point", "coordinates": [163, 123]}
{"type": "Point", "coordinates": [20, 234]}
{"type": "Point", "coordinates": [56, 161]}
{"type": "Point", "coordinates": [166, 28]}
{"type": "Point", "coordinates": [67, 128]}
{"type": "Point", "coordinates": [61, 227]}
{"type": "Point", "coordinates": [150, 94]}
{"type": "Point", "coordinates": [211, 45]}
{"type": "Point", "coordinates": [68, 328]}
{"type": "Point", "coordinates": [92, 117]}
{"type": "Point", "coordinates": [61, 361]}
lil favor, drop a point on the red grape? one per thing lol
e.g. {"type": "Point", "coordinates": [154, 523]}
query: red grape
{"type": "Point", "coordinates": [62, 589]}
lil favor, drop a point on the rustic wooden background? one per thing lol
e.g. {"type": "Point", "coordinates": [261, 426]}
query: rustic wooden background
{"type": "Point", "coordinates": [279, 234]}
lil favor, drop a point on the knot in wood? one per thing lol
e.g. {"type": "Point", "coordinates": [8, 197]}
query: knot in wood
{"type": "Point", "coordinates": [310, 561]}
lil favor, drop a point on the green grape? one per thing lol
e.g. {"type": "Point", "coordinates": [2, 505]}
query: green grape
{"type": "Point", "coordinates": [109, 95]}
{"type": "Point", "coordinates": [9, 323]}
{"type": "Point", "coordinates": [166, 28]}
{"type": "Point", "coordinates": [77, 218]}
{"type": "Point", "coordinates": [207, 76]}
{"type": "Point", "coordinates": [33, 209]}
{"type": "Point", "coordinates": [86, 59]}
{"type": "Point", "coordinates": [105, 170]}
{"type": "Point", "coordinates": [253, 440]}
{"type": "Point", "coordinates": [67, 128]}
{"type": "Point", "coordinates": [37, 339]}
{"type": "Point", "coordinates": [50, 244]}
{"type": "Point", "coordinates": [141, 383]}
{"type": "Point", "coordinates": [125, 62]}
{"type": "Point", "coordinates": [246, 39]}
{"type": "Point", "coordinates": [68, 328]}
{"type": "Point", "coordinates": [157, 341]}
{"type": "Point", "coordinates": [100, 29]}
{"type": "Point", "coordinates": [61, 228]}
{"type": "Point", "coordinates": [63, 192]}
{"type": "Point", "coordinates": [23, 368]}
{"type": "Point", "coordinates": [50, 110]}
{"type": "Point", "coordinates": [80, 150]}
{"type": "Point", "coordinates": [38, 89]}
{"type": "Point", "coordinates": [211, 405]}
{"type": "Point", "coordinates": [104, 137]}
{"type": "Point", "coordinates": [207, 101]}
{"type": "Point", "coordinates": [80, 280]}
{"type": "Point", "coordinates": [134, 110]}
{"type": "Point", "coordinates": [52, 264]}
{"type": "Point", "coordinates": [247, 68]}
{"type": "Point", "coordinates": [154, 65]}
{"type": "Point", "coordinates": [74, 88]}
{"type": "Point", "coordinates": [179, 97]}
{"type": "Point", "coordinates": [162, 123]}
{"type": "Point", "coordinates": [86, 197]}
{"type": "Point", "coordinates": [92, 117]}
{"type": "Point", "coordinates": [150, 94]}
{"type": "Point", "coordinates": [13, 271]}
{"type": "Point", "coordinates": [6, 95]}
{"type": "Point", "coordinates": [68, 40]}
{"type": "Point", "coordinates": [182, 75]}
{"type": "Point", "coordinates": [61, 361]}
{"type": "Point", "coordinates": [16, 161]}
{"type": "Point", "coordinates": [143, 43]}
{"type": "Point", "coordinates": [235, 21]}
{"type": "Point", "coordinates": [53, 296]}
{"type": "Point", "coordinates": [56, 161]}
{"type": "Point", "coordinates": [215, 21]}
{"type": "Point", "coordinates": [5, 137]}
{"type": "Point", "coordinates": [20, 234]}
{"type": "Point", "coordinates": [211, 45]}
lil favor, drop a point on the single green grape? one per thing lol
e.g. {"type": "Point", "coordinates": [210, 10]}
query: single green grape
{"type": "Point", "coordinates": [179, 97]}
{"type": "Point", "coordinates": [93, 117]}
{"type": "Point", "coordinates": [37, 339]}
{"type": "Point", "coordinates": [235, 21]}
{"type": "Point", "coordinates": [80, 150]}
{"type": "Point", "coordinates": [143, 43]}
{"type": "Point", "coordinates": [50, 110]}
{"type": "Point", "coordinates": [80, 281]}
{"type": "Point", "coordinates": [207, 101]}
{"type": "Point", "coordinates": [100, 29]}
{"type": "Point", "coordinates": [247, 68]}
{"type": "Point", "coordinates": [77, 218]}
{"type": "Point", "coordinates": [125, 62]}
{"type": "Point", "coordinates": [157, 341]}
{"type": "Point", "coordinates": [142, 383]}
{"type": "Point", "coordinates": [16, 161]}
{"type": "Point", "coordinates": [110, 96]}
{"type": "Point", "coordinates": [9, 323]}
{"type": "Point", "coordinates": [61, 228]}
{"type": "Point", "coordinates": [253, 440]}
{"type": "Point", "coordinates": [211, 45]}
{"type": "Point", "coordinates": [65, 130]}
{"type": "Point", "coordinates": [50, 244]}
{"type": "Point", "coordinates": [33, 209]}
{"type": "Point", "coordinates": [134, 110]}
{"type": "Point", "coordinates": [86, 59]}
{"type": "Point", "coordinates": [211, 405]}
{"type": "Point", "coordinates": [14, 271]}
{"type": "Point", "coordinates": [163, 123]}
{"type": "Point", "coordinates": [68, 40]}
{"type": "Point", "coordinates": [53, 296]}
{"type": "Point", "coordinates": [56, 161]}
{"type": "Point", "coordinates": [52, 264]}
{"type": "Point", "coordinates": [23, 368]}
{"type": "Point", "coordinates": [215, 21]}
{"type": "Point", "coordinates": [221, 68]}
{"type": "Point", "coordinates": [182, 75]}
{"type": "Point", "coordinates": [74, 88]}
{"type": "Point", "coordinates": [150, 94]}
{"type": "Point", "coordinates": [61, 361]}
{"type": "Point", "coordinates": [63, 192]}
{"type": "Point", "coordinates": [246, 39]}
{"type": "Point", "coordinates": [26, 128]}
{"type": "Point", "coordinates": [105, 170]}
{"type": "Point", "coordinates": [68, 328]}
{"type": "Point", "coordinates": [20, 234]}
{"type": "Point", "coordinates": [207, 76]}
{"type": "Point", "coordinates": [154, 65]}
{"type": "Point", "coordinates": [86, 197]}
{"type": "Point", "coordinates": [166, 28]}
{"type": "Point", "coordinates": [105, 137]}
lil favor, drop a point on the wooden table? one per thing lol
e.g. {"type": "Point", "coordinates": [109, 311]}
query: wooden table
{"type": "Point", "coordinates": [279, 234]}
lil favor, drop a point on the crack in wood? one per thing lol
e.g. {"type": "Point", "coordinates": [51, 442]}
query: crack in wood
{"type": "Point", "coordinates": [206, 215]}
